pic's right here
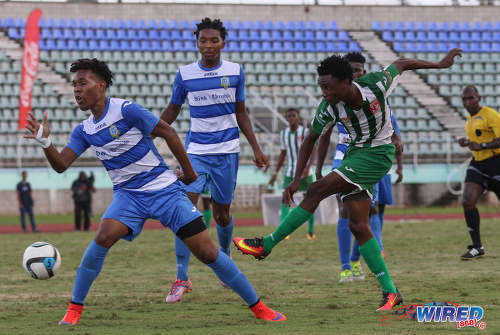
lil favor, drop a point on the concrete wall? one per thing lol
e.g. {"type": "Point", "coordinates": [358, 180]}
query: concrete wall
{"type": "Point", "coordinates": [347, 17]}
{"type": "Point", "coordinates": [246, 197]}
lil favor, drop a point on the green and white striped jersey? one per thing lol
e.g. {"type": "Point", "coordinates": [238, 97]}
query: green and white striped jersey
{"type": "Point", "coordinates": [371, 125]}
{"type": "Point", "coordinates": [291, 142]}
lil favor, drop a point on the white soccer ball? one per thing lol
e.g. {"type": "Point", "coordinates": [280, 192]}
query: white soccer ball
{"type": "Point", "coordinates": [41, 260]}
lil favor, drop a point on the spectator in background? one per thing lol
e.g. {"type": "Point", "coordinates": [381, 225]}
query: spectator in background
{"type": "Point", "coordinates": [82, 196]}
{"type": "Point", "coordinates": [25, 202]}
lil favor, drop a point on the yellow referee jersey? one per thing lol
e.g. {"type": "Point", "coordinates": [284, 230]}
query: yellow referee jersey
{"type": "Point", "coordinates": [483, 127]}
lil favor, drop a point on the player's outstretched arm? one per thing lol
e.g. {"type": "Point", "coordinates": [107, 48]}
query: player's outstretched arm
{"type": "Point", "coordinates": [40, 132]}
{"type": "Point", "coordinates": [322, 150]}
{"type": "Point", "coordinates": [171, 113]}
{"type": "Point", "coordinates": [245, 125]}
{"type": "Point", "coordinates": [404, 64]}
{"type": "Point", "coordinates": [304, 154]}
{"type": "Point", "coordinates": [162, 129]}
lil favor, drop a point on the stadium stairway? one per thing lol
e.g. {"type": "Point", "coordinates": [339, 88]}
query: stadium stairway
{"type": "Point", "coordinates": [413, 83]}
{"type": "Point", "coordinates": [45, 73]}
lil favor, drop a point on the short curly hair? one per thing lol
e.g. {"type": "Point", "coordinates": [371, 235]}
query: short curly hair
{"type": "Point", "coordinates": [99, 67]}
{"type": "Point", "coordinates": [208, 23]}
{"type": "Point", "coordinates": [336, 66]}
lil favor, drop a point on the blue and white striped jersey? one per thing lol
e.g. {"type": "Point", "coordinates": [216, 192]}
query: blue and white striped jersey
{"type": "Point", "coordinates": [121, 140]}
{"type": "Point", "coordinates": [212, 94]}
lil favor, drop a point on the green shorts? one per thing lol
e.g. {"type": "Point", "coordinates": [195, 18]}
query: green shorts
{"type": "Point", "coordinates": [304, 182]}
{"type": "Point", "coordinates": [364, 167]}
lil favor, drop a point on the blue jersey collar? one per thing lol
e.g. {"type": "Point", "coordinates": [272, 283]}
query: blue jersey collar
{"type": "Point", "coordinates": [105, 112]}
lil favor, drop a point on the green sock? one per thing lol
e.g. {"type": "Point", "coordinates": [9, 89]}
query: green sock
{"type": "Point", "coordinates": [207, 217]}
{"type": "Point", "coordinates": [310, 227]}
{"type": "Point", "coordinates": [293, 221]}
{"type": "Point", "coordinates": [284, 211]}
{"type": "Point", "coordinates": [373, 258]}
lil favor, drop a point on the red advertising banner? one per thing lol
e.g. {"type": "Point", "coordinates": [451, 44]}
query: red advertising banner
{"type": "Point", "coordinates": [31, 57]}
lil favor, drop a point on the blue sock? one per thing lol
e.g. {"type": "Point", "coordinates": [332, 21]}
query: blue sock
{"type": "Point", "coordinates": [182, 254]}
{"type": "Point", "coordinates": [227, 271]}
{"type": "Point", "coordinates": [355, 255]}
{"type": "Point", "coordinates": [377, 232]}
{"type": "Point", "coordinates": [344, 241]}
{"type": "Point", "coordinates": [225, 235]}
{"type": "Point", "coordinates": [87, 272]}
{"type": "Point", "coordinates": [381, 217]}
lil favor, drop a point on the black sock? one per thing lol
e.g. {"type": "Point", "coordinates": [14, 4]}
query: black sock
{"type": "Point", "coordinates": [472, 220]}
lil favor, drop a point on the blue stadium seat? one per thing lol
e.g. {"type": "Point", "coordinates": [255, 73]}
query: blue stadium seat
{"type": "Point", "coordinates": [13, 33]}
{"type": "Point", "coordinates": [100, 24]}
{"type": "Point", "coordinates": [175, 35]}
{"type": "Point", "coordinates": [343, 36]}
{"type": "Point", "coordinates": [410, 36]}
{"type": "Point", "coordinates": [299, 46]}
{"type": "Point", "coordinates": [421, 36]}
{"type": "Point", "coordinates": [89, 23]}
{"type": "Point", "coordinates": [398, 36]}
{"type": "Point", "coordinates": [103, 45]}
{"type": "Point", "coordinates": [243, 35]}
{"type": "Point", "coordinates": [142, 34]}
{"type": "Point", "coordinates": [310, 25]}
{"type": "Point", "coordinates": [9, 22]}
{"type": "Point", "coordinates": [165, 35]}
{"type": "Point", "coordinates": [276, 35]}
{"type": "Point", "coordinates": [331, 35]}
{"type": "Point", "coordinates": [72, 24]}
{"type": "Point", "coordinates": [475, 36]}
{"type": "Point", "coordinates": [485, 47]}
{"type": "Point", "coordinates": [238, 25]}
{"type": "Point", "coordinates": [310, 47]}
{"type": "Point", "coordinates": [232, 46]}
{"type": "Point", "coordinates": [443, 26]}
{"type": "Point", "coordinates": [486, 36]}
{"type": "Point", "coordinates": [82, 45]}
{"type": "Point", "coordinates": [245, 46]}
{"type": "Point", "coordinates": [320, 35]}
{"type": "Point", "coordinates": [277, 46]}
{"type": "Point", "coordinates": [332, 25]}
{"type": "Point", "coordinates": [266, 46]}
{"type": "Point", "coordinates": [72, 45]}
{"type": "Point", "coordinates": [288, 46]}
{"type": "Point", "coordinates": [495, 47]}
{"type": "Point", "coordinates": [186, 25]}
{"type": "Point", "coordinates": [60, 23]}
{"type": "Point", "coordinates": [269, 25]}
{"type": "Point", "coordinates": [260, 25]}
{"type": "Point", "coordinates": [377, 26]}
{"type": "Point", "coordinates": [454, 36]}
{"type": "Point", "coordinates": [255, 46]}
{"type": "Point", "coordinates": [57, 33]}
{"type": "Point", "coordinates": [280, 25]}
{"type": "Point", "coordinates": [421, 26]}
{"type": "Point", "coordinates": [187, 35]}
{"type": "Point", "coordinates": [487, 26]}
{"type": "Point", "coordinates": [132, 34]}
{"type": "Point", "coordinates": [454, 26]}
{"type": "Point", "coordinates": [442, 47]}
{"type": "Point", "coordinates": [387, 36]}
{"type": "Point", "coordinates": [166, 46]}
{"type": "Point", "coordinates": [162, 24]}
{"type": "Point", "coordinates": [387, 25]}
{"type": "Point", "coordinates": [300, 25]}
{"type": "Point", "coordinates": [288, 35]}
{"type": "Point", "coordinates": [432, 26]}
{"type": "Point", "coordinates": [290, 25]}
{"type": "Point", "coordinates": [464, 36]}
{"type": "Point", "coordinates": [476, 26]}
{"type": "Point", "coordinates": [353, 47]}
{"type": "Point", "coordinates": [248, 25]}
{"type": "Point", "coordinates": [61, 45]}
{"type": "Point", "coordinates": [174, 25]}
{"type": "Point", "coordinates": [432, 36]}
{"type": "Point", "coordinates": [410, 25]}
{"type": "Point", "coordinates": [101, 34]}
{"type": "Point", "coordinates": [131, 24]}
{"type": "Point", "coordinates": [465, 26]}
{"type": "Point", "coordinates": [310, 35]}
{"type": "Point", "coordinates": [254, 35]}
{"type": "Point", "coordinates": [93, 45]}
{"type": "Point", "coordinates": [299, 35]}
{"type": "Point", "coordinates": [399, 26]}
{"type": "Point", "coordinates": [141, 24]}
{"type": "Point", "coordinates": [265, 35]}
{"type": "Point", "coordinates": [321, 25]}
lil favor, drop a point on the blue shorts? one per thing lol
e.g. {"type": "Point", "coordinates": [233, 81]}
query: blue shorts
{"type": "Point", "coordinates": [218, 172]}
{"type": "Point", "coordinates": [385, 191]}
{"type": "Point", "coordinates": [170, 206]}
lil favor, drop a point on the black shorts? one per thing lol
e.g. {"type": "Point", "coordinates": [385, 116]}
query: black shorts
{"type": "Point", "coordinates": [485, 173]}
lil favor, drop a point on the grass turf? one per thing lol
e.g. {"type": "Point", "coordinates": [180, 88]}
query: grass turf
{"type": "Point", "coordinates": [300, 279]}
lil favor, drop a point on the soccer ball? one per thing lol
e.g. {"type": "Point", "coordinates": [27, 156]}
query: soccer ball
{"type": "Point", "coordinates": [41, 260]}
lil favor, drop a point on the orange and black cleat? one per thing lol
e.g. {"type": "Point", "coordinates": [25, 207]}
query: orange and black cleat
{"type": "Point", "coordinates": [250, 246]}
{"type": "Point", "coordinates": [389, 300]}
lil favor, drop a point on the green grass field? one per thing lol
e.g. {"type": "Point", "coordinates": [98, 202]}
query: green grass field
{"type": "Point", "coordinates": [300, 279]}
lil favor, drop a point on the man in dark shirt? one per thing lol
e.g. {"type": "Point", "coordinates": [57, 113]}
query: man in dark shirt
{"type": "Point", "coordinates": [25, 202]}
{"type": "Point", "coordinates": [82, 197]}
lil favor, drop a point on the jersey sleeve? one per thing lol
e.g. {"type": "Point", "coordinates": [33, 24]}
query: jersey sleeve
{"type": "Point", "coordinates": [494, 123]}
{"type": "Point", "coordinates": [384, 80]}
{"type": "Point", "coordinates": [240, 89]}
{"type": "Point", "coordinates": [179, 92]}
{"type": "Point", "coordinates": [139, 117]}
{"type": "Point", "coordinates": [322, 118]}
{"type": "Point", "coordinates": [77, 142]}
{"type": "Point", "coordinates": [282, 140]}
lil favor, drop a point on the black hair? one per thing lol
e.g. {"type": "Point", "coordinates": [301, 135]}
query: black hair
{"type": "Point", "coordinates": [208, 23]}
{"type": "Point", "coordinates": [355, 57]}
{"type": "Point", "coordinates": [293, 110]}
{"type": "Point", "coordinates": [471, 87]}
{"type": "Point", "coordinates": [336, 66]}
{"type": "Point", "coordinates": [99, 67]}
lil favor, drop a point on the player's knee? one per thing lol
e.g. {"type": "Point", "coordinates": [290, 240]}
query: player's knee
{"type": "Point", "coordinates": [105, 239]}
{"type": "Point", "coordinates": [358, 227]}
{"type": "Point", "coordinates": [468, 204]}
{"type": "Point", "coordinates": [207, 255]}
{"type": "Point", "coordinates": [314, 192]}
{"type": "Point", "coordinates": [222, 219]}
